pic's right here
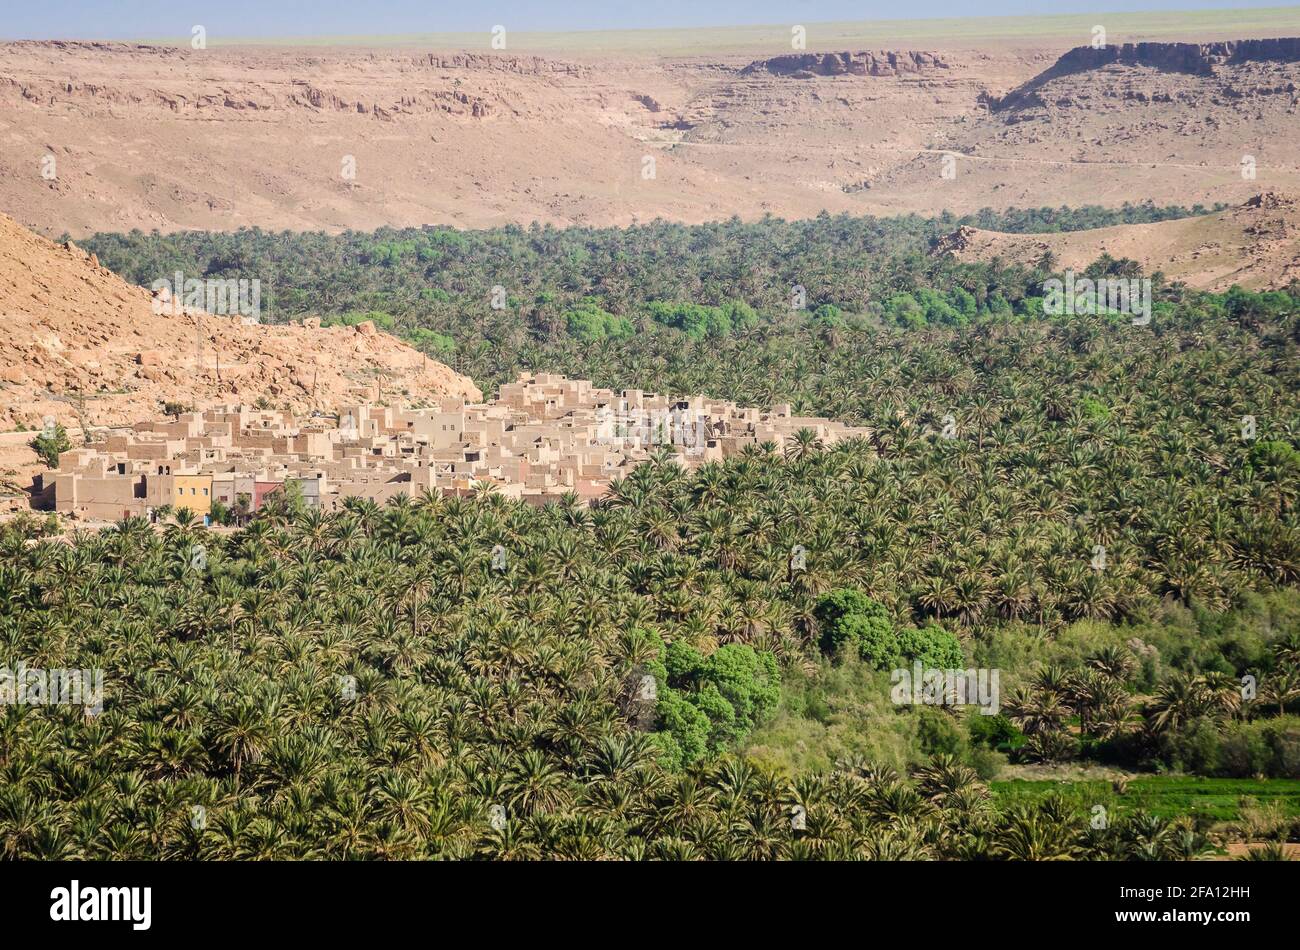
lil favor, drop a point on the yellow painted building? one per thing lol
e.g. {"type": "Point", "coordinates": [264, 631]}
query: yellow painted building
{"type": "Point", "coordinates": [193, 492]}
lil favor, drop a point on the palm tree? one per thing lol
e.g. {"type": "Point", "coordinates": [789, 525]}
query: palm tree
{"type": "Point", "coordinates": [1269, 851]}
{"type": "Point", "coordinates": [1281, 686]}
{"type": "Point", "coordinates": [362, 684]}
{"type": "Point", "coordinates": [803, 445]}
{"type": "Point", "coordinates": [1179, 700]}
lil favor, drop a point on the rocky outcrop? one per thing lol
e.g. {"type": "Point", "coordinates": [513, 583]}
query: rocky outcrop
{"type": "Point", "coordinates": [955, 242]}
{"type": "Point", "coordinates": [520, 65]}
{"type": "Point", "coordinates": [1197, 59]}
{"type": "Point", "coordinates": [866, 63]}
{"type": "Point", "coordinates": [1271, 201]}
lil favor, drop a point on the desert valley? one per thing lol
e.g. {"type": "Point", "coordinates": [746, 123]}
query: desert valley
{"type": "Point", "coordinates": [334, 138]}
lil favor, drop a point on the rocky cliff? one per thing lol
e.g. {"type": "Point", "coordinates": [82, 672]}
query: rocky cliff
{"type": "Point", "coordinates": [866, 63]}
{"type": "Point", "coordinates": [1197, 59]}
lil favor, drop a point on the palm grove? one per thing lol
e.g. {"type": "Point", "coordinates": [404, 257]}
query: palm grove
{"type": "Point", "coordinates": [374, 684]}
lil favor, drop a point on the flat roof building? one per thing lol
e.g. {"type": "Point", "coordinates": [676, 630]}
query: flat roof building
{"type": "Point", "coordinates": [545, 436]}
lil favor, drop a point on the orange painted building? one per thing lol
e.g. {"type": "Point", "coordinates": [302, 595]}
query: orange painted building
{"type": "Point", "coordinates": [193, 492]}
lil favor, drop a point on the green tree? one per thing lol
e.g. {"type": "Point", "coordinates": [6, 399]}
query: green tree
{"type": "Point", "coordinates": [934, 646]}
{"type": "Point", "coordinates": [852, 621]}
{"type": "Point", "coordinates": [50, 444]}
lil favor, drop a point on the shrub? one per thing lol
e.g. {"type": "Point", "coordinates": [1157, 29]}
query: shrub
{"type": "Point", "coordinates": [727, 693]}
{"type": "Point", "coordinates": [852, 622]}
{"type": "Point", "coordinates": [589, 323]}
{"type": "Point", "coordinates": [683, 663]}
{"type": "Point", "coordinates": [1269, 747]}
{"type": "Point", "coordinates": [937, 732]}
{"type": "Point", "coordinates": [747, 679]}
{"type": "Point", "coordinates": [221, 513]}
{"type": "Point", "coordinates": [828, 315]}
{"type": "Point", "coordinates": [934, 646]}
{"type": "Point", "coordinates": [51, 444]}
{"type": "Point", "coordinates": [987, 763]}
{"type": "Point", "coordinates": [995, 732]}
{"type": "Point", "coordinates": [684, 734]}
{"type": "Point", "coordinates": [1196, 749]}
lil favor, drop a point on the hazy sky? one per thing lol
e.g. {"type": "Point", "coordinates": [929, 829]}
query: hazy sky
{"type": "Point", "coordinates": [132, 19]}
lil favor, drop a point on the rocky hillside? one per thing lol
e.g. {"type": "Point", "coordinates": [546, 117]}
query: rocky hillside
{"type": "Point", "coordinates": [81, 345]}
{"type": "Point", "coordinates": [1196, 59]}
{"type": "Point", "coordinates": [1255, 245]}
{"type": "Point", "coordinates": [1174, 123]}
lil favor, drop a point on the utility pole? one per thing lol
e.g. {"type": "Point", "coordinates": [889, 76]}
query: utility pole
{"type": "Point", "coordinates": [198, 346]}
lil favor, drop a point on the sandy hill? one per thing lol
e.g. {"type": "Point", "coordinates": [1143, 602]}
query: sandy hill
{"type": "Point", "coordinates": [1256, 245]}
{"type": "Point", "coordinates": [112, 136]}
{"type": "Point", "coordinates": [78, 341]}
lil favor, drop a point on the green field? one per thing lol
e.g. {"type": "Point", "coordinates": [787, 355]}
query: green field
{"type": "Point", "coordinates": [1220, 799]}
{"type": "Point", "coordinates": [1063, 29]}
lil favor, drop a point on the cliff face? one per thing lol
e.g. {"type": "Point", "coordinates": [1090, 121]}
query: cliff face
{"type": "Point", "coordinates": [865, 63]}
{"type": "Point", "coordinates": [1200, 58]}
{"type": "Point", "coordinates": [1197, 59]}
